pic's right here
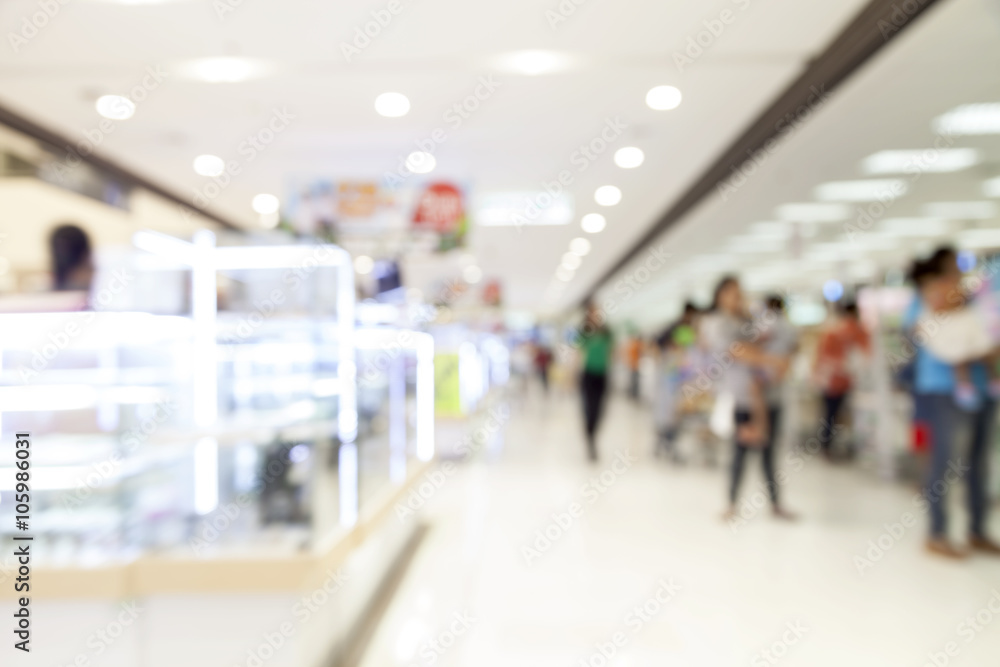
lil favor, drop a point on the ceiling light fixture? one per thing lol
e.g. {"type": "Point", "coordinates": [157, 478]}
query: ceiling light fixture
{"type": "Point", "coordinates": [593, 223]}
{"type": "Point", "coordinates": [961, 210]}
{"type": "Point", "coordinates": [991, 188]}
{"type": "Point", "coordinates": [209, 165]}
{"type": "Point", "coordinates": [914, 227]}
{"type": "Point", "coordinates": [970, 119]}
{"type": "Point", "coordinates": [579, 246]}
{"type": "Point", "coordinates": [810, 212]}
{"type": "Point", "coordinates": [534, 62]}
{"type": "Point", "coordinates": [862, 191]}
{"type": "Point", "coordinates": [115, 107]}
{"type": "Point", "coordinates": [663, 98]}
{"type": "Point", "coordinates": [420, 162]}
{"type": "Point", "coordinates": [608, 195]}
{"type": "Point", "coordinates": [571, 261]}
{"type": "Point", "coordinates": [392, 105]}
{"type": "Point", "coordinates": [224, 70]}
{"type": "Point", "coordinates": [629, 157]}
{"type": "Point", "coordinates": [266, 204]}
{"type": "Point", "coordinates": [979, 238]}
{"type": "Point", "coordinates": [930, 160]}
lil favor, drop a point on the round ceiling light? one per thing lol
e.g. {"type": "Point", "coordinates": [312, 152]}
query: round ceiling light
{"type": "Point", "coordinates": [266, 204]}
{"type": "Point", "coordinates": [579, 246]}
{"type": "Point", "coordinates": [607, 195]}
{"type": "Point", "coordinates": [420, 162]}
{"type": "Point", "coordinates": [392, 105]}
{"type": "Point", "coordinates": [592, 223]}
{"type": "Point", "coordinates": [629, 157]}
{"type": "Point", "coordinates": [115, 107]}
{"type": "Point", "coordinates": [209, 165]}
{"type": "Point", "coordinates": [663, 98]}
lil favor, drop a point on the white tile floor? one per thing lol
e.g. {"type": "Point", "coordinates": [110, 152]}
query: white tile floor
{"type": "Point", "coordinates": [740, 592]}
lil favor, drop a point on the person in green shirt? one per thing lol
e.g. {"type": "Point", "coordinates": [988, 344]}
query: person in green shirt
{"type": "Point", "coordinates": [596, 344]}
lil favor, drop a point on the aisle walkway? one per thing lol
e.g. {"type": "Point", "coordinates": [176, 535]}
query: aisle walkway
{"type": "Point", "coordinates": [647, 572]}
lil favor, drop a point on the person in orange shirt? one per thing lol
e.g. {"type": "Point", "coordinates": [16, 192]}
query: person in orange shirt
{"type": "Point", "coordinates": [832, 368]}
{"type": "Point", "coordinates": [633, 354]}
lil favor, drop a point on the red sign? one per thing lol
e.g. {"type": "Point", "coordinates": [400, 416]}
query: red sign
{"type": "Point", "coordinates": [440, 209]}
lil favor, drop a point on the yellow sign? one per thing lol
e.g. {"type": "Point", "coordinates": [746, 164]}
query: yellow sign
{"type": "Point", "coordinates": [447, 389]}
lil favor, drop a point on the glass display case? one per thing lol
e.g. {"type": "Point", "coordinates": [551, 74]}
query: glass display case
{"type": "Point", "coordinates": [212, 432]}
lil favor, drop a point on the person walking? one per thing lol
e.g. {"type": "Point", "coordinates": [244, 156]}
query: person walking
{"type": "Point", "coordinates": [832, 369]}
{"type": "Point", "coordinates": [543, 360]}
{"type": "Point", "coordinates": [596, 344]}
{"type": "Point", "coordinates": [727, 334]}
{"type": "Point", "coordinates": [779, 337]}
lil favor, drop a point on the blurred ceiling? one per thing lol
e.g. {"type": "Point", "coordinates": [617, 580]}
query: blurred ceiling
{"type": "Point", "coordinates": [949, 59]}
{"type": "Point", "coordinates": [605, 57]}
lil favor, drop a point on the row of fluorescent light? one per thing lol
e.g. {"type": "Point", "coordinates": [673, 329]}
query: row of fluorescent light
{"type": "Point", "coordinates": [834, 197]}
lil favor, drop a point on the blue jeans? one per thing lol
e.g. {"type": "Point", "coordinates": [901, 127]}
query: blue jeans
{"type": "Point", "coordinates": [943, 420]}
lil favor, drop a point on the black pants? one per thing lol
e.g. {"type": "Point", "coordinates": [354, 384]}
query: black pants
{"type": "Point", "coordinates": [592, 386]}
{"type": "Point", "coordinates": [543, 375]}
{"type": "Point", "coordinates": [832, 404]}
{"type": "Point", "coordinates": [766, 452]}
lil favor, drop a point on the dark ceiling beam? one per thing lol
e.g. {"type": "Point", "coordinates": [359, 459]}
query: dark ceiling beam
{"type": "Point", "coordinates": [876, 25]}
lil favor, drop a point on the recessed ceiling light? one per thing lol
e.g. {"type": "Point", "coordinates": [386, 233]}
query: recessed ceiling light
{"type": "Point", "coordinates": [115, 107]}
{"type": "Point", "coordinates": [209, 165]}
{"type": "Point", "coordinates": [571, 261]}
{"type": "Point", "coordinates": [663, 98]}
{"type": "Point", "coordinates": [364, 264]}
{"type": "Point", "coordinates": [420, 162]}
{"type": "Point", "coordinates": [861, 191]}
{"type": "Point", "coordinates": [772, 230]}
{"type": "Point", "coordinates": [755, 244]}
{"type": "Point", "coordinates": [266, 204]}
{"type": "Point", "coordinates": [979, 238]}
{"type": "Point", "coordinates": [991, 188]}
{"type": "Point", "coordinates": [607, 195]}
{"type": "Point", "coordinates": [564, 274]}
{"type": "Point", "coordinates": [914, 227]}
{"type": "Point", "coordinates": [579, 246]}
{"type": "Point", "coordinates": [961, 210]}
{"type": "Point", "coordinates": [970, 119]}
{"type": "Point", "coordinates": [629, 157]}
{"type": "Point", "coordinates": [472, 274]}
{"type": "Point", "coordinates": [592, 223]}
{"type": "Point", "coordinates": [523, 208]}
{"type": "Point", "coordinates": [930, 160]}
{"type": "Point", "coordinates": [224, 70]}
{"type": "Point", "coordinates": [392, 105]}
{"type": "Point", "coordinates": [534, 62]}
{"type": "Point", "coordinates": [809, 212]}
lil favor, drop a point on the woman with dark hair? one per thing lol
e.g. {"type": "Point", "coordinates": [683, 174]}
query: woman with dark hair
{"type": "Point", "coordinates": [958, 400]}
{"type": "Point", "coordinates": [72, 265]}
{"type": "Point", "coordinates": [727, 333]}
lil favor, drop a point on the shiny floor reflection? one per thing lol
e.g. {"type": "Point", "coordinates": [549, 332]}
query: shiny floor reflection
{"type": "Point", "coordinates": [536, 558]}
